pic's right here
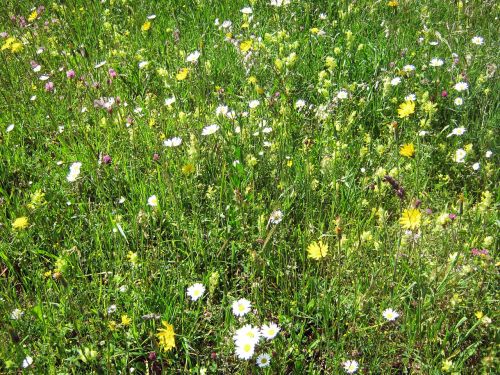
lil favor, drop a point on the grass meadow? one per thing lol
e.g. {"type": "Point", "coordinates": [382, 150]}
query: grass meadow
{"type": "Point", "coordinates": [249, 187]}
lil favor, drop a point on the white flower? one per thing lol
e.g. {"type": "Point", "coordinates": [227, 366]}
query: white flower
{"type": "Point", "coordinates": [44, 77]}
{"type": "Point", "coordinates": [267, 130]}
{"type": "Point", "coordinates": [423, 133]}
{"type": "Point", "coordinates": [143, 64]}
{"type": "Point", "coordinates": [395, 81]}
{"type": "Point", "coordinates": [241, 307]}
{"type": "Point", "coordinates": [488, 154]}
{"type": "Point", "coordinates": [276, 217]}
{"type": "Point", "coordinates": [74, 172]}
{"type": "Point", "coordinates": [210, 129]}
{"type": "Point", "coordinates": [245, 350]}
{"type": "Point", "coordinates": [172, 142]}
{"type": "Point", "coordinates": [263, 360]}
{"type": "Point", "coordinates": [37, 68]}
{"type": "Point", "coordinates": [111, 309]}
{"type": "Point", "coordinates": [322, 16]}
{"type": "Point", "coordinates": [153, 201]}
{"type": "Point", "coordinates": [410, 98]}
{"type": "Point", "coordinates": [196, 291]}
{"type": "Point", "coordinates": [461, 86]}
{"type": "Point", "coordinates": [221, 110]}
{"type": "Point", "coordinates": [269, 331]}
{"type": "Point", "coordinates": [350, 366]}
{"type": "Point", "coordinates": [458, 101]}
{"type": "Point", "coordinates": [253, 104]}
{"type": "Point", "coordinates": [246, 10]}
{"type": "Point", "coordinates": [226, 24]}
{"type": "Point", "coordinates": [457, 131]}
{"type": "Point", "coordinates": [121, 200]}
{"type": "Point", "coordinates": [98, 65]}
{"type": "Point", "coordinates": [477, 40]}
{"type": "Point", "coordinates": [342, 94]}
{"type": "Point", "coordinates": [16, 314]}
{"type": "Point", "coordinates": [476, 166]}
{"type": "Point", "coordinates": [299, 104]}
{"type": "Point", "coordinates": [27, 362]}
{"type": "Point", "coordinates": [390, 314]}
{"type": "Point", "coordinates": [170, 101]}
{"type": "Point", "coordinates": [9, 128]}
{"type": "Point", "coordinates": [435, 62]}
{"type": "Point", "coordinates": [247, 333]}
{"type": "Point", "coordinates": [151, 17]}
{"type": "Point", "coordinates": [459, 155]}
{"type": "Point", "coordinates": [278, 3]}
{"type": "Point", "coordinates": [123, 288]}
{"type": "Point", "coordinates": [193, 57]}
{"type": "Point", "coordinates": [408, 68]}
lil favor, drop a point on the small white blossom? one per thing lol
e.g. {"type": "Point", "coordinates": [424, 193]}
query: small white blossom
{"type": "Point", "coordinates": [210, 129]}
{"type": "Point", "coordinates": [172, 142]}
{"type": "Point", "coordinates": [461, 86]}
{"type": "Point", "coordinates": [153, 201]}
{"type": "Point", "coordinates": [196, 291]}
{"type": "Point", "coordinates": [350, 366]}
{"type": "Point", "coordinates": [459, 156]}
{"type": "Point", "coordinates": [477, 40]}
{"type": "Point", "coordinates": [241, 307]}
{"type": "Point", "coordinates": [390, 314]}
{"type": "Point", "coordinates": [435, 62]}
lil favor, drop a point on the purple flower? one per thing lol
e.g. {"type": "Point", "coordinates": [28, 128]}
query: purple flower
{"type": "Point", "coordinates": [112, 73]}
{"type": "Point", "coordinates": [444, 94]}
{"type": "Point", "coordinates": [452, 216]}
{"type": "Point", "coordinates": [156, 157]}
{"type": "Point", "coordinates": [49, 86]}
{"type": "Point", "coordinates": [70, 74]}
{"type": "Point", "coordinates": [106, 159]}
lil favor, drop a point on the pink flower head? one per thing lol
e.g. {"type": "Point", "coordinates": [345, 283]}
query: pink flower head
{"type": "Point", "coordinates": [112, 73]}
{"type": "Point", "coordinates": [49, 86]}
{"type": "Point", "coordinates": [70, 74]}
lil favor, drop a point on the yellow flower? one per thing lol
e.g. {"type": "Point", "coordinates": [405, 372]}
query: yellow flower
{"type": "Point", "coordinates": [166, 336]}
{"type": "Point", "coordinates": [317, 250]}
{"type": "Point", "coordinates": [16, 47]}
{"type": "Point", "coordinates": [407, 150]}
{"type": "Point", "coordinates": [126, 320]}
{"type": "Point", "coordinates": [112, 325]}
{"type": "Point", "coordinates": [246, 45]}
{"type": "Point", "coordinates": [183, 73]}
{"type": "Point", "coordinates": [33, 16]}
{"type": "Point", "coordinates": [410, 219]}
{"type": "Point", "coordinates": [188, 169]}
{"type": "Point", "coordinates": [393, 3]}
{"type": "Point", "coordinates": [447, 365]}
{"type": "Point", "coordinates": [314, 30]}
{"type": "Point", "coordinates": [146, 26]}
{"type": "Point", "coordinates": [20, 223]}
{"type": "Point", "coordinates": [406, 109]}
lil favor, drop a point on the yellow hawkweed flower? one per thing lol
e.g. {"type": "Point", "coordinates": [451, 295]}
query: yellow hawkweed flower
{"type": "Point", "coordinates": [393, 3]}
{"type": "Point", "coordinates": [182, 75]}
{"type": "Point", "coordinates": [406, 109]}
{"type": "Point", "coordinates": [410, 219]}
{"type": "Point", "coordinates": [20, 223]}
{"type": "Point", "coordinates": [317, 250]}
{"type": "Point", "coordinates": [146, 26]}
{"type": "Point", "coordinates": [33, 16]}
{"type": "Point", "coordinates": [246, 45]}
{"type": "Point", "coordinates": [166, 336]}
{"type": "Point", "coordinates": [126, 320]}
{"type": "Point", "coordinates": [407, 150]}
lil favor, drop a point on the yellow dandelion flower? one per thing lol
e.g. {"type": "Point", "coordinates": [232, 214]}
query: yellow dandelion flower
{"type": "Point", "coordinates": [406, 109]}
{"type": "Point", "coordinates": [393, 3]}
{"type": "Point", "coordinates": [410, 219]}
{"type": "Point", "coordinates": [20, 223]}
{"type": "Point", "coordinates": [246, 45]}
{"type": "Point", "coordinates": [188, 169]}
{"type": "Point", "coordinates": [182, 75]}
{"type": "Point", "coordinates": [317, 250]}
{"type": "Point", "coordinates": [166, 336]}
{"type": "Point", "coordinates": [146, 26]}
{"type": "Point", "coordinates": [33, 16]}
{"type": "Point", "coordinates": [126, 320]}
{"type": "Point", "coordinates": [407, 150]}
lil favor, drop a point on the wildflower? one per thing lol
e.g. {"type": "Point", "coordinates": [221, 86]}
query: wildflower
{"type": "Point", "coordinates": [350, 366]}
{"type": "Point", "coordinates": [410, 219]}
{"type": "Point", "coordinates": [188, 168]}
{"type": "Point", "coordinates": [172, 142]}
{"type": "Point", "coordinates": [390, 314]}
{"type": "Point", "coordinates": [126, 320]}
{"type": "Point", "coordinates": [410, 98]}
{"type": "Point", "coordinates": [111, 309]}
{"type": "Point", "coordinates": [33, 16]}
{"type": "Point", "coordinates": [459, 156]}
{"type": "Point", "coordinates": [27, 362]}
{"type": "Point", "coordinates": [196, 291]}
{"type": "Point", "coordinates": [276, 217]}
{"type": "Point", "coordinates": [146, 26]}
{"type": "Point", "coordinates": [221, 110]}
{"type": "Point", "coordinates": [278, 3]}
{"type": "Point", "coordinates": [143, 64]}
{"type": "Point", "coordinates": [246, 45]}
{"type": "Point", "coordinates": [457, 131]}
{"type": "Point", "coordinates": [70, 74]}
{"type": "Point", "coordinates": [9, 128]}
{"type": "Point", "coordinates": [342, 94]}
{"type": "Point", "coordinates": [461, 86]}
{"type": "Point", "coordinates": [477, 40]}
{"type": "Point", "coordinates": [317, 250]}
{"type": "Point", "coordinates": [408, 68]}
{"type": "Point", "coordinates": [488, 154]}
{"type": "Point", "coordinates": [170, 101]}
{"type": "Point", "coordinates": [263, 360]}
{"type": "Point", "coordinates": [458, 101]}
{"type": "Point", "coordinates": [407, 150]}
{"type": "Point", "coordinates": [393, 3]}
{"type": "Point", "coordinates": [247, 333]}
{"type": "Point", "coordinates": [153, 201]}
{"type": "Point", "coordinates": [299, 104]}
{"type": "Point", "coordinates": [269, 331]}
{"type": "Point", "coordinates": [447, 365]}
{"type": "Point", "coordinates": [246, 10]}
{"type": "Point", "coordinates": [241, 307]}
{"type": "Point", "coordinates": [245, 350]}
{"type": "Point", "coordinates": [435, 62]}
{"type": "Point", "coordinates": [49, 86]}
{"type": "Point", "coordinates": [395, 81]}
{"type": "Point", "coordinates": [193, 57]}
{"type": "Point", "coordinates": [166, 336]}
{"type": "Point", "coordinates": [406, 109]}
{"type": "Point", "coordinates": [74, 171]}
{"type": "Point", "coordinates": [182, 74]}
{"type": "Point", "coordinates": [20, 223]}
{"type": "Point", "coordinates": [210, 129]}
{"type": "Point", "coordinates": [253, 104]}
{"type": "Point", "coordinates": [16, 314]}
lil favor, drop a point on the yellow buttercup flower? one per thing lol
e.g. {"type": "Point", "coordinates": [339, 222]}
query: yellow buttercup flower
{"type": "Point", "coordinates": [317, 250]}
{"type": "Point", "coordinates": [20, 223]}
{"type": "Point", "coordinates": [410, 219]}
{"type": "Point", "coordinates": [182, 75]}
{"type": "Point", "coordinates": [407, 150]}
{"type": "Point", "coordinates": [166, 336]}
{"type": "Point", "coordinates": [406, 109]}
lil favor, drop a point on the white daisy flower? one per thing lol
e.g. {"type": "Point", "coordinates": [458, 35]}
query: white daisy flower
{"type": "Point", "coordinates": [269, 331]}
{"type": "Point", "coordinates": [457, 131]}
{"type": "Point", "coordinates": [476, 166]}
{"type": "Point", "coordinates": [245, 350]}
{"type": "Point", "coordinates": [350, 366]}
{"type": "Point", "coordinates": [226, 24]}
{"type": "Point", "coordinates": [247, 333]}
{"type": "Point", "coordinates": [111, 309]}
{"type": "Point", "coordinates": [241, 307]}
{"type": "Point", "coordinates": [461, 86]}
{"type": "Point", "coordinates": [253, 104]}
{"type": "Point", "coordinates": [210, 129]}
{"type": "Point", "coordinates": [410, 98]}
{"type": "Point", "coordinates": [246, 10]}
{"type": "Point", "coordinates": [435, 62]}
{"type": "Point", "coordinates": [172, 142]}
{"type": "Point", "coordinates": [196, 291]}
{"type": "Point", "coordinates": [27, 362]}
{"type": "Point", "coordinates": [221, 110]}
{"type": "Point", "coordinates": [299, 104]}
{"type": "Point", "coordinates": [193, 57]}
{"type": "Point", "coordinates": [263, 360]}
{"type": "Point", "coordinates": [458, 101]}
{"type": "Point", "coordinates": [16, 314]}
{"type": "Point", "coordinates": [477, 40]}
{"type": "Point", "coordinates": [153, 201]}
{"type": "Point", "coordinates": [408, 68]}
{"type": "Point", "coordinates": [390, 314]}
{"type": "Point", "coordinates": [395, 81]}
{"type": "Point", "coordinates": [74, 172]}
{"type": "Point", "coordinates": [170, 101]}
{"type": "Point", "coordinates": [342, 94]}
{"type": "Point", "coordinates": [459, 156]}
